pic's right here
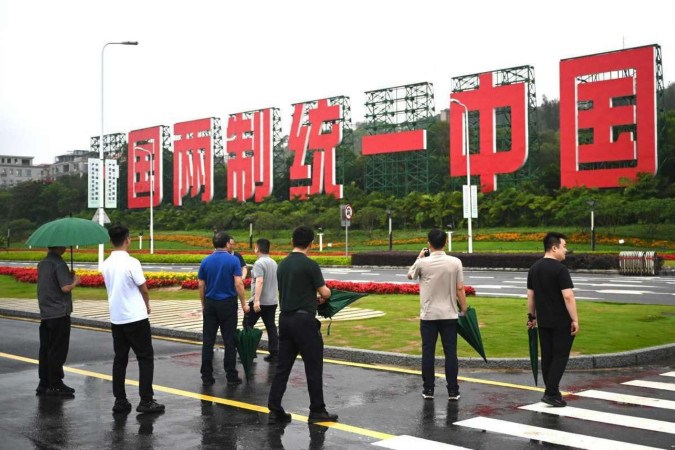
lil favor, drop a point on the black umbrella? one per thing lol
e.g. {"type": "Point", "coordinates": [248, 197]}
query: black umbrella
{"type": "Point", "coordinates": [337, 301]}
{"type": "Point", "coordinates": [533, 335]}
{"type": "Point", "coordinates": [467, 327]}
{"type": "Point", "coordinates": [247, 341]}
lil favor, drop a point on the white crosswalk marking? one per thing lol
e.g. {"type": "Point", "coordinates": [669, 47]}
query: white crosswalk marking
{"type": "Point", "coordinates": [546, 435]}
{"type": "Point", "coordinates": [629, 399]}
{"type": "Point", "coordinates": [651, 384]}
{"type": "Point", "coordinates": [405, 442]}
{"type": "Point", "coordinates": [603, 417]}
{"type": "Point", "coordinates": [668, 374]}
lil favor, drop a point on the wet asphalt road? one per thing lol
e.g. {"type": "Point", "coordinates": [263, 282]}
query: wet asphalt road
{"type": "Point", "coordinates": [374, 403]}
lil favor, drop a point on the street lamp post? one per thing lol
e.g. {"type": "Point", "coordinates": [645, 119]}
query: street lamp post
{"type": "Point", "coordinates": [101, 155]}
{"type": "Point", "coordinates": [465, 135]}
{"type": "Point", "coordinates": [250, 232]}
{"type": "Point", "coordinates": [591, 203]}
{"type": "Point", "coordinates": [391, 233]}
{"type": "Point", "coordinates": [152, 188]}
{"type": "Point", "coordinates": [449, 237]}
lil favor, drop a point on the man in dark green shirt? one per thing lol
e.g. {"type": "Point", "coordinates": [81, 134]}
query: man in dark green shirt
{"type": "Point", "coordinates": [54, 286]}
{"type": "Point", "coordinates": [300, 280]}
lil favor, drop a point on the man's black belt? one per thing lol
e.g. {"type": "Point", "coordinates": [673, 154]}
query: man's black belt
{"type": "Point", "coordinates": [298, 311]}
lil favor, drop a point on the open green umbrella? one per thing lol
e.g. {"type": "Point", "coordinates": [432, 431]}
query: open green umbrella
{"type": "Point", "coordinates": [67, 232]}
{"type": "Point", "coordinates": [337, 301]}
{"type": "Point", "coordinates": [467, 327]}
{"type": "Point", "coordinates": [533, 335]}
{"type": "Point", "coordinates": [247, 340]}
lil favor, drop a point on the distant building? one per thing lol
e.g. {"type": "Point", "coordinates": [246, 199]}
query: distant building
{"type": "Point", "coordinates": [72, 163]}
{"type": "Point", "coordinates": [17, 169]}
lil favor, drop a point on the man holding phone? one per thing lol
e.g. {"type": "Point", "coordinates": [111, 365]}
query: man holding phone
{"type": "Point", "coordinates": [441, 281]}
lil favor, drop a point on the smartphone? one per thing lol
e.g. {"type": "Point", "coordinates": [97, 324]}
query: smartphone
{"type": "Point", "coordinates": [426, 252]}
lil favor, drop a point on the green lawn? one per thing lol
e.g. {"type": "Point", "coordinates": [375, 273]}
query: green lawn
{"type": "Point", "coordinates": [502, 323]}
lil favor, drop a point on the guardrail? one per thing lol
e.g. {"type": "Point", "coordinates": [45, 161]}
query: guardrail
{"type": "Point", "coordinates": [638, 263]}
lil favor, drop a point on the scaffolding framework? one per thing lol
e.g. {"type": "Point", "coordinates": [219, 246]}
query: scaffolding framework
{"type": "Point", "coordinates": [114, 145]}
{"type": "Point", "coordinates": [503, 130]}
{"type": "Point", "coordinates": [390, 110]}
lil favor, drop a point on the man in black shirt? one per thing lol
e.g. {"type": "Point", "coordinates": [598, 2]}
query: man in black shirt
{"type": "Point", "coordinates": [300, 279]}
{"type": "Point", "coordinates": [552, 306]}
{"type": "Point", "coordinates": [54, 286]}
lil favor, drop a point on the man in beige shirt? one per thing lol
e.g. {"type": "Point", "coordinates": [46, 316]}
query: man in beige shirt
{"type": "Point", "coordinates": [441, 286]}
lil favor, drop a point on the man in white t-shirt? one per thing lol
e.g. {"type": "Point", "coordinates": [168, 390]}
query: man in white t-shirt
{"type": "Point", "coordinates": [129, 308]}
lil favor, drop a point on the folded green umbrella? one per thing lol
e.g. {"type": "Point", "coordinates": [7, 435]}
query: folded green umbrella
{"type": "Point", "coordinates": [533, 335]}
{"type": "Point", "coordinates": [337, 301]}
{"type": "Point", "coordinates": [467, 327]}
{"type": "Point", "coordinates": [247, 341]}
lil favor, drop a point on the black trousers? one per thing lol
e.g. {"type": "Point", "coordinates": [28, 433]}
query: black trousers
{"type": "Point", "coordinates": [299, 334]}
{"type": "Point", "coordinates": [54, 343]}
{"type": "Point", "coordinates": [556, 344]}
{"type": "Point", "coordinates": [219, 314]}
{"type": "Point", "coordinates": [268, 314]}
{"type": "Point", "coordinates": [135, 336]}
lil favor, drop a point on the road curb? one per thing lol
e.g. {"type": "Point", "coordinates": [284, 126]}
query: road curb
{"type": "Point", "coordinates": [602, 361]}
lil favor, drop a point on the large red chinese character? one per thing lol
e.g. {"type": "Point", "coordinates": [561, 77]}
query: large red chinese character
{"type": "Point", "coordinates": [486, 100]}
{"type": "Point", "coordinates": [193, 160]}
{"type": "Point", "coordinates": [249, 145]}
{"type": "Point", "coordinates": [320, 174]}
{"type": "Point", "coordinates": [616, 93]}
{"type": "Point", "coordinates": [142, 144]}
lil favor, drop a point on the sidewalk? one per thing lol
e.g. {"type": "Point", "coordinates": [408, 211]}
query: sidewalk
{"type": "Point", "coordinates": [182, 319]}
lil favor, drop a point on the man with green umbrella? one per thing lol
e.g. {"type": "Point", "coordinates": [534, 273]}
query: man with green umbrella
{"type": "Point", "coordinates": [300, 280]}
{"type": "Point", "coordinates": [54, 286]}
{"type": "Point", "coordinates": [441, 281]}
{"type": "Point", "coordinates": [553, 308]}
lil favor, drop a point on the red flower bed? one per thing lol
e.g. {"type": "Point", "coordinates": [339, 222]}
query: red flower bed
{"type": "Point", "coordinates": [29, 275]}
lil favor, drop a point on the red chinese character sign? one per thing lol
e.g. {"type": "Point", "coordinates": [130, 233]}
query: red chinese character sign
{"type": "Point", "coordinates": [193, 151]}
{"type": "Point", "coordinates": [486, 100]}
{"type": "Point", "coordinates": [608, 117]}
{"type": "Point", "coordinates": [250, 149]}
{"type": "Point", "coordinates": [317, 127]}
{"type": "Point", "coordinates": [144, 160]}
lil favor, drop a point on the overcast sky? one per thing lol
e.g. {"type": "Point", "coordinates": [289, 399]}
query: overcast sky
{"type": "Point", "coordinates": [202, 58]}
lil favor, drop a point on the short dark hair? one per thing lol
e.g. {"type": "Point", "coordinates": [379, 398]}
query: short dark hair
{"type": "Point", "coordinates": [263, 245]}
{"type": "Point", "coordinates": [118, 234]}
{"type": "Point", "coordinates": [552, 238]}
{"type": "Point", "coordinates": [437, 238]}
{"type": "Point", "coordinates": [221, 239]}
{"type": "Point", "coordinates": [302, 236]}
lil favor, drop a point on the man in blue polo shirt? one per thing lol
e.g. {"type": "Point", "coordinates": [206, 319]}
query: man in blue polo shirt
{"type": "Point", "coordinates": [220, 284]}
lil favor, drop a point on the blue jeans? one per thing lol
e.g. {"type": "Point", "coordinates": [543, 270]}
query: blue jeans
{"type": "Point", "coordinates": [430, 329]}
{"type": "Point", "coordinates": [219, 314]}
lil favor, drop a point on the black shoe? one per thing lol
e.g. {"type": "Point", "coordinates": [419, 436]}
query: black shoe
{"type": "Point", "coordinates": [65, 387]}
{"type": "Point", "coordinates": [271, 358]}
{"type": "Point", "coordinates": [41, 389]}
{"type": "Point", "coordinates": [58, 391]}
{"type": "Point", "coordinates": [428, 394]}
{"type": "Point", "coordinates": [555, 401]}
{"type": "Point", "coordinates": [323, 416]}
{"type": "Point", "coordinates": [149, 406]}
{"type": "Point", "coordinates": [121, 406]}
{"type": "Point", "coordinates": [279, 417]}
{"type": "Point", "coordinates": [208, 381]}
{"type": "Point", "coordinates": [234, 381]}
{"type": "Point", "coordinates": [453, 396]}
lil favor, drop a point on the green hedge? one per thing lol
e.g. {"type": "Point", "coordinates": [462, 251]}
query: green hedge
{"type": "Point", "coordinates": [579, 261]}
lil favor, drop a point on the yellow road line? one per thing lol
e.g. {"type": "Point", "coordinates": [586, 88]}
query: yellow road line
{"type": "Point", "coordinates": [340, 362]}
{"type": "Point", "coordinates": [209, 398]}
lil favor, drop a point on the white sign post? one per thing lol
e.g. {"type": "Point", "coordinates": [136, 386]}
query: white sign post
{"type": "Point", "coordinates": [346, 213]}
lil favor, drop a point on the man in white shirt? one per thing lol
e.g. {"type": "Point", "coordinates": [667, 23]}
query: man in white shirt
{"type": "Point", "coordinates": [441, 286]}
{"type": "Point", "coordinates": [265, 296]}
{"type": "Point", "coordinates": [129, 304]}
